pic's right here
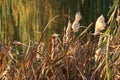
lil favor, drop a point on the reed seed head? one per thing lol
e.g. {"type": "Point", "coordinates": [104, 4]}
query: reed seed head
{"type": "Point", "coordinates": [100, 25]}
{"type": "Point", "coordinates": [68, 30]}
{"type": "Point", "coordinates": [40, 47]}
{"type": "Point", "coordinates": [55, 45]}
{"type": "Point", "coordinates": [76, 25]}
{"type": "Point", "coordinates": [55, 38]}
{"type": "Point", "coordinates": [78, 16]}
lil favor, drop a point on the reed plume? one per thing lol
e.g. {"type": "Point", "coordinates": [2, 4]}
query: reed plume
{"type": "Point", "coordinates": [76, 25]}
{"type": "Point", "coordinates": [100, 25]}
{"type": "Point", "coordinates": [68, 31]}
{"type": "Point", "coordinates": [39, 50]}
{"type": "Point", "coordinates": [55, 44]}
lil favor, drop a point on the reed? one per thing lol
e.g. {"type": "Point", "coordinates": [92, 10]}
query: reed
{"type": "Point", "coordinates": [70, 55]}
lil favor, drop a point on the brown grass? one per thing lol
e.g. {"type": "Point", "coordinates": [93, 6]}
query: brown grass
{"type": "Point", "coordinates": [73, 61]}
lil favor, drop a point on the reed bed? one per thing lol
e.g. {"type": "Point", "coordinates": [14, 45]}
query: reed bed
{"type": "Point", "coordinates": [72, 56]}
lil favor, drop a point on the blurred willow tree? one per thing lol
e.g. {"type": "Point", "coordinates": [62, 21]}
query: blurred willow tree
{"type": "Point", "coordinates": [23, 19]}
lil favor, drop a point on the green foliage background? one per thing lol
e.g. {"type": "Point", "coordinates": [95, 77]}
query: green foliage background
{"type": "Point", "coordinates": [23, 19]}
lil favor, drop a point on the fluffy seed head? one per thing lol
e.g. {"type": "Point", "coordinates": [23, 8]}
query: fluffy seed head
{"type": "Point", "coordinates": [68, 30]}
{"type": "Point", "coordinates": [55, 44]}
{"type": "Point", "coordinates": [100, 25]}
{"type": "Point", "coordinates": [78, 16]}
{"type": "Point", "coordinates": [75, 26]}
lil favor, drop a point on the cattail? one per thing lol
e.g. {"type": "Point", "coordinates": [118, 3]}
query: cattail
{"type": "Point", "coordinates": [100, 25]}
{"type": "Point", "coordinates": [39, 50]}
{"type": "Point", "coordinates": [55, 44]}
{"type": "Point", "coordinates": [76, 25]}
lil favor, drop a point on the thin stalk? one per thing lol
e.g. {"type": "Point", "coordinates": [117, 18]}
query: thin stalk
{"type": "Point", "coordinates": [47, 26]}
{"type": "Point", "coordinates": [107, 59]}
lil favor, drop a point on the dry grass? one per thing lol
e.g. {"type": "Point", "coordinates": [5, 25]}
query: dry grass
{"type": "Point", "coordinates": [72, 59]}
